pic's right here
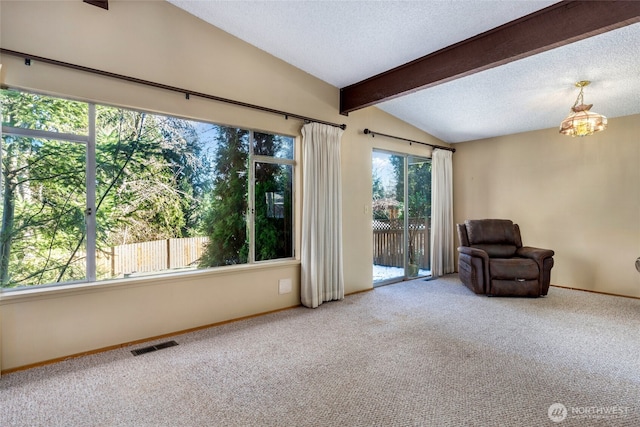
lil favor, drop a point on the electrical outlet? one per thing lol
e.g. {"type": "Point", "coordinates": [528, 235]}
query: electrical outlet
{"type": "Point", "coordinates": [284, 286]}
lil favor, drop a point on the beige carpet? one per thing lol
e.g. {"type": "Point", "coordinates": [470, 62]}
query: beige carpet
{"type": "Point", "coordinates": [419, 353]}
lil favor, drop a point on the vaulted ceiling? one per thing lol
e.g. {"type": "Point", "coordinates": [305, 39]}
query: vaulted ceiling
{"type": "Point", "coordinates": [459, 70]}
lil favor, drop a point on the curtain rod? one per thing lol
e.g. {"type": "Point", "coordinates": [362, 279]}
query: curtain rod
{"type": "Point", "coordinates": [411, 141]}
{"type": "Point", "coordinates": [188, 93]}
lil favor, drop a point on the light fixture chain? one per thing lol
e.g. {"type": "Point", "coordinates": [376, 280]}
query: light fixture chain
{"type": "Point", "coordinates": [580, 98]}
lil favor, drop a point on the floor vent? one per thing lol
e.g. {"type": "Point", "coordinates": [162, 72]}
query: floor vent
{"type": "Point", "coordinates": [153, 348]}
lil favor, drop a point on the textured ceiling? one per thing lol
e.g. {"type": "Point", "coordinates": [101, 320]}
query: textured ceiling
{"type": "Point", "coordinates": [343, 42]}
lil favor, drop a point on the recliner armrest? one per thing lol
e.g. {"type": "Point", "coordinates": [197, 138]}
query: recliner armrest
{"type": "Point", "coordinates": [473, 252]}
{"type": "Point", "coordinates": [536, 254]}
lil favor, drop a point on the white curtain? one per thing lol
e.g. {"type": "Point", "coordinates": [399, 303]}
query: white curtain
{"type": "Point", "coordinates": [442, 249]}
{"type": "Point", "coordinates": [321, 253]}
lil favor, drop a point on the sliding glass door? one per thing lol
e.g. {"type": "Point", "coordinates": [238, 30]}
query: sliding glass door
{"type": "Point", "coordinates": [401, 216]}
{"type": "Point", "coordinates": [388, 212]}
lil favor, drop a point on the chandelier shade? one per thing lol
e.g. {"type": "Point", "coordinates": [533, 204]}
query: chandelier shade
{"type": "Point", "coordinates": [581, 121]}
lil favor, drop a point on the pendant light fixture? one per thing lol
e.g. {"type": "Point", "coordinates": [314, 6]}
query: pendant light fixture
{"type": "Point", "coordinates": [581, 121]}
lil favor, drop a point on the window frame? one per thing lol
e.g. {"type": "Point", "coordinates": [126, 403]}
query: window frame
{"type": "Point", "coordinates": [253, 160]}
{"type": "Point", "coordinates": [89, 140]}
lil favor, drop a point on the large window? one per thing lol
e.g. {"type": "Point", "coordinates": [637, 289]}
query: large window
{"type": "Point", "coordinates": [92, 192]}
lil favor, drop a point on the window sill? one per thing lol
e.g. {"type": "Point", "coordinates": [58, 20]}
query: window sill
{"type": "Point", "coordinates": [9, 296]}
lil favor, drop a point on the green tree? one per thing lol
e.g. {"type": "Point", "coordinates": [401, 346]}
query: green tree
{"type": "Point", "coordinates": [41, 205]}
{"type": "Point", "coordinates": [419, 185]}
{"type": "Point", "coordinates": [272, 200]}
{"type": "Point", "coordinates": [224, 220]}
{"type": "Point", "coordinates": [143, 173]}
{"type": "Point", "coordinates": [380, 208]}
{"type": "Point", "coordinates": [148, 177]}
{"type": "Point", "coordinates": [189, 168]}
{"type": "Point", "coordinates": [418, 204]}
{"type": "Point", "coordinates": [377, 187]}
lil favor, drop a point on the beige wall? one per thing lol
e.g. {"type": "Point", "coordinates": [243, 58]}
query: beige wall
{"type": "Point", "coordinates": [577, 196]}
{"type": "Point", "coordinates": [158, 42]}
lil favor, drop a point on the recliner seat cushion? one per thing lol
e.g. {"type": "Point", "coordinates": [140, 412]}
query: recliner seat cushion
{"type": "Point", "coordinates": [513, 268]}
{"type": "Point", "coordinates": [498, 251]}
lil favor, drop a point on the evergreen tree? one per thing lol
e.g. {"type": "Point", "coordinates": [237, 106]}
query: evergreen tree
{"type": "Point", "coordinates": [418, 205]}
{"type": "Point", "coordinates": [273, 219]}
{"type": "Point", "coordinates": [224, 221]}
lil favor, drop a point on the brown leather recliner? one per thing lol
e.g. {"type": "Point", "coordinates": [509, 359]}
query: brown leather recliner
{"type": "Point", "coordinates": [492, 260]}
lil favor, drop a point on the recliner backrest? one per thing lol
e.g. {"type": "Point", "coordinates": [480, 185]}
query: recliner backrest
{"type": "Point", "coordinates": [500, 238]}
{"type": "Point", "coordinates": [482, 231]}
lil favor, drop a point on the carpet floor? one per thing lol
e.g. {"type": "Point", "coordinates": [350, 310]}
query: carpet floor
{"type": "Point", "coordinates": [417, 353]}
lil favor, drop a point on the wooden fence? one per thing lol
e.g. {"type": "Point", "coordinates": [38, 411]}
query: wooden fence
{"type": "Point", "coordinates": [388, 242]}
{"type": "Point", "coordinates": [153, 256]}
{"type": "Point", "coordinates": [172, 254]}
